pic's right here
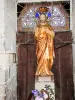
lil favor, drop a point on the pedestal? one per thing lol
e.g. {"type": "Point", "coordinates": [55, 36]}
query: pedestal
{"type": "Point", "coordinates": [46, 82]}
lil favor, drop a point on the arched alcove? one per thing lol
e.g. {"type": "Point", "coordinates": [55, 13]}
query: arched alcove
{"type": "Point", "coordinates": [26, 50]}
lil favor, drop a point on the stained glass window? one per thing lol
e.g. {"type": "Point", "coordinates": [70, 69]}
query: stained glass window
{"type": "Point", "coordinates": [59, 17]}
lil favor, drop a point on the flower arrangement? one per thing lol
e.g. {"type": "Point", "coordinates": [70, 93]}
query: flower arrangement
{"type": "Point", "coordinates": [45, 94]}
{"type": "Point", "coordinates": [40, 95]}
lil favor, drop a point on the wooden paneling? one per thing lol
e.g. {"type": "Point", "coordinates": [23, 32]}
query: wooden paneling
{"type": "Point", "coordinates": [26, 66]}
{"type": "Point", "coordinates": [62, 68]}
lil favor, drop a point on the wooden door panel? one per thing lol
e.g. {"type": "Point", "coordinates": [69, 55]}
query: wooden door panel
{"type": "Point", "coordinates": [26, 66]}
{"type": "Point", "coordinates": [22, 83]}
{"type": "Point", "coordinates": [62, 68]}
{"type": "Point", "coordinates": [21, 38]}
{"type": "Point", "coordinates": [31, 67]}
{"type": "Point", "coordinates": [31, 52]}
{"type": "Point", "coordinates": [22, 79]}
{"type": "Point", "coordinates": [31, 76]}
{"type": "Point", "coordinates": [56, 70]}
{"type": "Point", "coordinates": [67, 73]}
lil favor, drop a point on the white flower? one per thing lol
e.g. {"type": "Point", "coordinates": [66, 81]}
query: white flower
{"type": "Point", "coordinates": [38, 98]}
{"type": "Point", "coordinates": [45, 95]}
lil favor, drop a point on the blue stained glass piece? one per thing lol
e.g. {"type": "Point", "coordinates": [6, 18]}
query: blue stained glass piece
{"type": "Point", "coordinates": [37, 15]}
{"type": "Point", "coordinates": [49, 14]}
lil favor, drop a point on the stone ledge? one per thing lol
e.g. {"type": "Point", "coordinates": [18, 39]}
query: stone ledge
{"type": "Point", "coordinates": [41, 85]}
{"type": "Point", "coordinates": [44, 78]}
{"type": "Point", "coordinates": [41, 81]}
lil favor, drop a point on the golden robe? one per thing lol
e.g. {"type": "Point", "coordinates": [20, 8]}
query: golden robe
{"type": "Point", "coordinates": [44, 49]}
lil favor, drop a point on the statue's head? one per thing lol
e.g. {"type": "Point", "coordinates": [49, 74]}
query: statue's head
{"type": "Point", "coordinates": [43, 13]}
{"type": "Point", "coordinates": [43, 17]}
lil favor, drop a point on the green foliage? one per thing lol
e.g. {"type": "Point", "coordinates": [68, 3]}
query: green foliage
{"type": "Point", "coordinates": [50, 91]}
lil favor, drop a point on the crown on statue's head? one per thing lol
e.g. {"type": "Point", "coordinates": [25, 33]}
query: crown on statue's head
{"type": "Point", "coordinates": [43, 10]}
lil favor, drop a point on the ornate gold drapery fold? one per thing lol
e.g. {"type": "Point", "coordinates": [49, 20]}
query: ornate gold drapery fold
{"type": "Point", "coordinates": [44, 36]}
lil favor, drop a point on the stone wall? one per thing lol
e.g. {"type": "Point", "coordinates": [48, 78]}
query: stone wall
{"type": "Point", "coordinates": [8, 69]}
{"type": "Point", "coordinates": [10, 20]}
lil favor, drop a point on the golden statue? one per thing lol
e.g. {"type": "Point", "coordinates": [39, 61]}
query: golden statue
{"type": "Point", "coordinates": [44, 36]}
